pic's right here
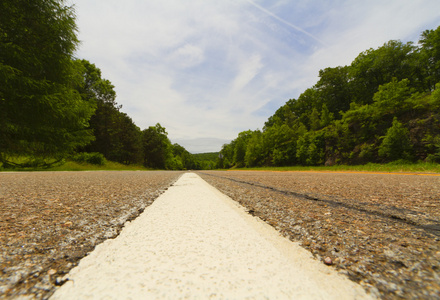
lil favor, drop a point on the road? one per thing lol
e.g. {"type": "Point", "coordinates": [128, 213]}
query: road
{"type": "Point", "coordinates": [193, 242]}
{"type": "Point", "coordinates": [381, 230]}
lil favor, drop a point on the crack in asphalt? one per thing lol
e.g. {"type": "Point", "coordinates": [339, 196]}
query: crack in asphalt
{"type": "Point", "coordinates": [431, 226]}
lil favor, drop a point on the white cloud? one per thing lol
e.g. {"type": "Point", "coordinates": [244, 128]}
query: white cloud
{"type": "Point", "coordinates": [187, 56]}
{"type": "Point", "coordinates": [248, 69]}
{"type": "Point", "coordinates": [210, 69]}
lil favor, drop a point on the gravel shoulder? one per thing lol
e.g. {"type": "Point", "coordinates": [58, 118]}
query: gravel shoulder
{"type": "Point", "coordinates": [50, 220]}
{"type": "Point", "coordinates": [380, 230]}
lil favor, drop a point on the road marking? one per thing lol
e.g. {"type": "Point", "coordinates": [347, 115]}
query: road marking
{"type": "Point", "coordinates": [194, 242]}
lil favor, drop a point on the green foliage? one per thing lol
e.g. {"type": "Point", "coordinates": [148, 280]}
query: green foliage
{"type": "Point", "coordinates": [156, 147]}
{"type": "Point", "coordinates": [254, 149]}
{"type": "Point", "coordinates": [390, 97]}
{"type": "Point", "coordinates": [326, 116]}
{"type": "Point", "coordinates": [376, 67]}
{"type": "Point", "coordinates": [42, 116]}
{"type": "Point", "coordinates": [209, 156]}
{"type": "Point", "coordinates": [188, 160]}
{"type": "Point", "coordinates": [310, 149]}
{"type": "Point", "coordinates": [349, 115]}
{"type": "Point", "coordinates": [94, 158]}
{"type": "Point", "coordinates": [116, 135]}
{"type": "Point", "coordinates": [435, 98]}
{"type": "Point", "coordinates": [429, 56]}
{"type": "Point", "coordinates": [396, 144]}
{"type": "Point", "coordinates": [334, 87]}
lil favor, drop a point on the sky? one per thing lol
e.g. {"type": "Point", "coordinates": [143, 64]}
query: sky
{"type": "Point", "coordinates": [207, 70]}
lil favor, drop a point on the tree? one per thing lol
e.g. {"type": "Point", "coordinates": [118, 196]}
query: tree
{"type": "Point", "coordinates": [326, 116]}
{"type": "Point", "coordinates": [127, 148]}
{"type": "Point", "coordinates": [254, 149]}
{"type": "Point", "coordinates": [116, 135]}
{"type": "Point", "coordinates": [280, 143]}
{"type": "Point", "coordinates": [315, 122]}
{"type": "Point", "coordinates": [391, 96]}
{"type": "Point", "coordinates": [156, 147]}
{"type": "Point", "coordinates": [104, 122]}
{"type": "Point", "coordinates": [334, 89]}
{"type": "Point", "coordinates": [347, 116]}
{"type": "Point", "coordinates": [376, 67]}
{"type": "Point", "coordinates": [42, 116]}
{"type": "Point", "coordinates": [430, 56]}
{"type": "Point", "coordinates": [396, 143]}
{"type": "Point", "coordinates": [240, 148]}
{"type": "Point", "coordinates": [187, 160]}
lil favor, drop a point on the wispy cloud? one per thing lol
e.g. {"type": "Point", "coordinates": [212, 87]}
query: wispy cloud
{"type": "Point", "coordinates": [297, 28]}
{"type": "Point", "coordinates": [248, 69]}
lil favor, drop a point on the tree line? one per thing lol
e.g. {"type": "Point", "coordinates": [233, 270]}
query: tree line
{"type": "Point", "coordinates": [383, 107]}
{"type": "Point", "coordinates": [54, 106]}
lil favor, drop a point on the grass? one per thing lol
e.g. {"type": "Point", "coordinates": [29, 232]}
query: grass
{"type": "Point", "coordinates": [394, 167]}
{"type": "Point", "coordinates": [74, 166]}
{"type": "Point", "coordinates": [108, 166]}
{"type": "Point", "coordinates": [370, 167]}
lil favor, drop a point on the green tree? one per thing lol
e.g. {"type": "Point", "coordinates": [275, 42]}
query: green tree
{"type": "Point", "coordinates": [396, 143]}
{"type": "Point", "coordinates": [376, 67]}
{"type": "Point", "coordinates": [254, 149]}
{"type": "Point", "coordinates": [305, 104]}
{"type": "Point", "coordinates": [302, 152]}
{"type": "Point", "coordinates": [240, 145]}
{"type": "Point", "coordinates": [126, 147]}
{"type": "Point", "coordinates": [430, 57]}
{"type": "Point", "coordinates": [157, 148]}
{"type": "Point", "coordinates": [390, 98]}
{"type": "Point", "coordinates": [42, 116]}
{"type": "Point", "coordinates": [226, 156]}
{"type": "Point", "coordinates": [326, 116]}
{"type": "Point", "coordinates": [116, 135]}
{"type": "Point", "coordinates": [280, 143]}
{"type": "Point", "coordinates": [187, 159]}
{"type": "Point", "coordinates": [105, 120]}
{"type": "Point", "coordinates": [286, 114]}
{"type": "Point", "coordinates": [334, 89]}
{"type": "Point", "coordinates": [315, 122]}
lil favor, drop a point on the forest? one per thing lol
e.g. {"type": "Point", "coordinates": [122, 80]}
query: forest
{"type": "Point", "coordinates": [383, 107]}
{"type": "Point", "coordinates": [55, 107]}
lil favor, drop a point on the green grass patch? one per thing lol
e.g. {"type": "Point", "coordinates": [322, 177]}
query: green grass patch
{"type": "Point", "coordinates": [75, 166]}
{"type": "Point", "coordinates": [108, 166]}
{"type": "Point", "coordinates": [394, 167]}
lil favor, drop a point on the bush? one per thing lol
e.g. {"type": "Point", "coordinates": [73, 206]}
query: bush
{"type": "Point", "coordinates": [94, 158]}
{"type": "Point", "coordinates": [396, 143]}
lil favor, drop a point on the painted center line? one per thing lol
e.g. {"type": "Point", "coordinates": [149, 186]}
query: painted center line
{"type": "Point", "coordinates": [194, 242]}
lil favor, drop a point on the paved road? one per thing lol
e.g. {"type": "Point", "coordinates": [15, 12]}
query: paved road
{"type": "Point", "coordinates": [194, 242]}
{"type": "Point", "coordinates": [382, 230]}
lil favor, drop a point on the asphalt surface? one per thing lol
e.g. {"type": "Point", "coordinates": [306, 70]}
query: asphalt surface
{"type": "Point", "coordinates": [194, 242]}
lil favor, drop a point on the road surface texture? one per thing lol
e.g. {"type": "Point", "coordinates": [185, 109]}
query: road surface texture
{"type": "Point", "coordinates": [194, 242]}
{"type": "Point", "coordinates": [49, 220]}
{"type": "Point", "coordinates": [381, 230]}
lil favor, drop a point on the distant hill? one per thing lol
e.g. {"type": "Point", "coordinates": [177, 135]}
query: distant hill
{"type": "Point", "coordinates": [206, 160]}
{"type": "Point", "coordinates": [206, 156]}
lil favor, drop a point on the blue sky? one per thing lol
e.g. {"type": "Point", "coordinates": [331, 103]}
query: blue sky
{"type": "Point", "coordinates": [207, 70]}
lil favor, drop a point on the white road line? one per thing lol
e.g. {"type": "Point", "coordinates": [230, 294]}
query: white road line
{"type": "Point", "coordinates": [194, 242]}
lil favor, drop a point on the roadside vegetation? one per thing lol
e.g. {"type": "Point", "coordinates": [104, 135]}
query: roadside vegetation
{"type": "Point", "coordinates": [393, 167]}
{"type": "Point", "coordinates": [384, 107]}
{"type": "Point", "coordinates": [57, 109]}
